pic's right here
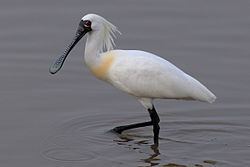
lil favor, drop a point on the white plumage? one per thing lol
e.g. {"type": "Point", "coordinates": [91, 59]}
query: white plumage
{"type": "Point", "coordinates": [141, 74]}
{"type": "Point", "coordinates": [138, 73]}
{"type": "Point", "coordinates": [145, 75]}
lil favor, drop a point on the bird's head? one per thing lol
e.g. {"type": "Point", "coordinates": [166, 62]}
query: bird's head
{"type": "Point", "coordinates": [89, 24]}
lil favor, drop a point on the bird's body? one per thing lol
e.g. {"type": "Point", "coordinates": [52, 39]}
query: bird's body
{"type": "Point", "coordinates": [138, 73]}
{"type": "Point", "coordinates": [145, 75]}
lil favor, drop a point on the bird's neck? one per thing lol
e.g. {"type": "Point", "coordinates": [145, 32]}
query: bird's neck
{"type": "Point", "coordinates": [93, 49]}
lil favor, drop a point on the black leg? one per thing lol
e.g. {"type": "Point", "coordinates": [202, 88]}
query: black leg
{"type": "Point", "coordinates": [154, 121]}
{"type": "Point", "coordinates": [120, 129]}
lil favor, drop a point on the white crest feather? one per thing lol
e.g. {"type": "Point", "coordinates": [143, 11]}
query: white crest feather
{"type": "Point", "coordinates": [109, 33]}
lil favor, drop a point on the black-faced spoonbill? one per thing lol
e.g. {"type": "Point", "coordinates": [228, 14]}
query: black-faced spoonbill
{"type": "Point", "coordinates": [138, 73]}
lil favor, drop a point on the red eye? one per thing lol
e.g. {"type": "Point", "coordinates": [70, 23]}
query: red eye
{"type": "Point", "coordinates": [87, 23]}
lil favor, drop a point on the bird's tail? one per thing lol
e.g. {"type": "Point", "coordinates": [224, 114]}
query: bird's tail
{"type": "Point", "coordinates": [209, 96]}
{"type": "Point", "coordinates": [202, 93]}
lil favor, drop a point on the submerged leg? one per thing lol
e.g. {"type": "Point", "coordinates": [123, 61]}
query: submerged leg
{"type": "Point", "coordinates": [154, 121]}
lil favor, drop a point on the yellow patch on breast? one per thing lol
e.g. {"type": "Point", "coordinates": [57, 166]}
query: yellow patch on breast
{"type": "Point", "coordinates": [101, 70]}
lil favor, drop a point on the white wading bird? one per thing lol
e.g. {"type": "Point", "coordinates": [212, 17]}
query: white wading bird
{"type": "Point", "coordinates": [138, 73]}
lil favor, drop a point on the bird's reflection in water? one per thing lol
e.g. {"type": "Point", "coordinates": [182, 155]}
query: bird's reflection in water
{"type": "Point", "coordinates": [130, 142]}
{"type": "Point", "coordinates": [153, 159]}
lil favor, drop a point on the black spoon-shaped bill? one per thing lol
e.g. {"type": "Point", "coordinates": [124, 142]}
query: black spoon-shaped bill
{"type": "Point", "coordinates": [57, 65]}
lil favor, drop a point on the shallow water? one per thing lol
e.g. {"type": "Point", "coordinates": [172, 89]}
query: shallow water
{"type": "Point", "coordinates": [65, 120]}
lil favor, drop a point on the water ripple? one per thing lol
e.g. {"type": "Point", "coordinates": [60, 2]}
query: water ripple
{"type": "Point", "coordinates": [181, 139]}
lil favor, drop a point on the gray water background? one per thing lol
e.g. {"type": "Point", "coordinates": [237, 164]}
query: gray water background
{"type": "Point", "coordinates": [63, 120]}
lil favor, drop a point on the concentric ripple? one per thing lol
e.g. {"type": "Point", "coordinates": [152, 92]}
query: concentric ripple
{"type": "Point", "coordinates": [64, 154]}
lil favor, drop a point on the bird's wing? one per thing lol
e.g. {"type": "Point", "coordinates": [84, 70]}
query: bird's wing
{"type": "Point", "coordinates": [143, 74]}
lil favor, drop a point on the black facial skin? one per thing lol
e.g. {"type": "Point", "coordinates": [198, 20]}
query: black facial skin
{"type": "Point", "coordinates": [83, 28]}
